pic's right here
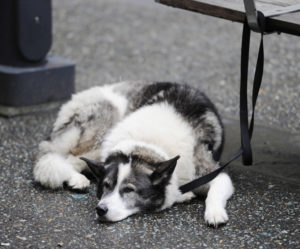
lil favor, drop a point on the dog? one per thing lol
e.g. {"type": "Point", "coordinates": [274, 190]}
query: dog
{"type": "Point", "coordinates": [141, 141]}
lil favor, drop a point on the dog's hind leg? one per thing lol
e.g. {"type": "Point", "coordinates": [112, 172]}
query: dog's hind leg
{"type": "Point", "coordinates": [220, 190]}
{"type": "Point", "coordinates": [56, 165]}
{"type": "Point", "coordinates": [78, 131]}
{"type": "Point", "coordinates": [52, 170]}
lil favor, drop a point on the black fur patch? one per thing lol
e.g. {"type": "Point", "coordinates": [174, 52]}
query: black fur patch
{"type": "Point", "coordinates": [111, 166]}
{"type": "Point", "coordinates": [110, 178]}
{"type": "Point", "coordinates": [117, 158]}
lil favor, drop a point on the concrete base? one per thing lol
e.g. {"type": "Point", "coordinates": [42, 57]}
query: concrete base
{"type": "Point", "coordinates": [10, 111]}
{"type": "Point", "coordinates": [21, 87]}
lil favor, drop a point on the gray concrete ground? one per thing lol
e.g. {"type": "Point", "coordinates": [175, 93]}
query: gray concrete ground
{"type": "Point", "coordinates": [118, 39]}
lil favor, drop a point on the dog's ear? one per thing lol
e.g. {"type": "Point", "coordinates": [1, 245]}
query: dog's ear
{"type": "Point", "coordinates": [96, 168]}
{"type": "Point", "coordinates": [164, 171]}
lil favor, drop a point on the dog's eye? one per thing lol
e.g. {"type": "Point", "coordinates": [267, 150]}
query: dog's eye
{"type": "Point", "coordinates": [128, 189]}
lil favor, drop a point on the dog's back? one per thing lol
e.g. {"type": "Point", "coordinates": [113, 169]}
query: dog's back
{"type": "Point", "coordinates": [194, 107]}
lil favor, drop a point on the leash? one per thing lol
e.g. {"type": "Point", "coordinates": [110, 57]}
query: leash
{"type": "Point", "coordinates": [246, 129]}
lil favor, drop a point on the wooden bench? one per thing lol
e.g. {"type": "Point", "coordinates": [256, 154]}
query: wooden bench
{"type": "Point", "coordinates": [263, 16]}
{"type": "Point", "coordinates": [281, 15]}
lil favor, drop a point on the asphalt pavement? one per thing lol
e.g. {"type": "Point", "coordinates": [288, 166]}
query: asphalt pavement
{"type": "Point", "coordinates": [116, 40]}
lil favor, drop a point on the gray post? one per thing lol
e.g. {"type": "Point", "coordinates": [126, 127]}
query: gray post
{"type": "Point", "coordinates": [28, 76]}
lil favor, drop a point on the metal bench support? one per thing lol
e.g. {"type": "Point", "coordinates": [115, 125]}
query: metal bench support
{"type": "Point", "coordinates": [251, 14]}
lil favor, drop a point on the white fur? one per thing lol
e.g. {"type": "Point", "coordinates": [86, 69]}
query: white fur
{"type": "Point", "coordinates": [173, 194]}
{"type": "Point", "coordinates": [220, 190]}
{"type": "Point", "coordinates": [63, 143]}
{"type": "Point", "coordinates": [57, 165]}
{"type": "Point", "coordinates": [116, 207]}
{"type": "Point", "coordinates": [157, 127]}
{"type": "Point", "coordinates": [86, 99]}
{"type": "Point", "coordinates": [162, 127]}
{"type": "Point", "coordinates": [52, 170]}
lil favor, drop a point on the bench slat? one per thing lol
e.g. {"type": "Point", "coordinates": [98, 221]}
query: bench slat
{"type": "Point", "coordinates": [234, 10]}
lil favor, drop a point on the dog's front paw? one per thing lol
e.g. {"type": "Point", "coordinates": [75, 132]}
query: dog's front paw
{"type": "Point", "coordinates": [78, 181]}
{"type": "Point", "coordinates": [215, 216]}
{"type": "Point", "coordinates": [186, 197]}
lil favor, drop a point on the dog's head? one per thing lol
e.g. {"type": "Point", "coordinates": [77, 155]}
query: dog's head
{"type": "Point", "coordinates": [129, 184]}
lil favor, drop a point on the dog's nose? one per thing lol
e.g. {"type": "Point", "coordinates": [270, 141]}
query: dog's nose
{"type": "Point", "coordinates": [101, 210]}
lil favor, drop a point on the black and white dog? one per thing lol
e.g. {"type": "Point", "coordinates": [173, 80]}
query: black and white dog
{"type": "Point", "coordinates": [142, 141]}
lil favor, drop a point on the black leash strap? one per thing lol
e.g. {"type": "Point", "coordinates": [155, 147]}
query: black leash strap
{"type": "Point", "coordinates": [207, 178]}
{"type": "Point", "coordinates": [246, 129]}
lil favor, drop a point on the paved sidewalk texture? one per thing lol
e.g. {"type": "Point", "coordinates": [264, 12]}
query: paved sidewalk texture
{"type": "Point", "coordinates": [130, 39]}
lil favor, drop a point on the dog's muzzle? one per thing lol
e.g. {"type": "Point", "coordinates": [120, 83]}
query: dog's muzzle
{"type": "Point", "coordinates": [101, 210]}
